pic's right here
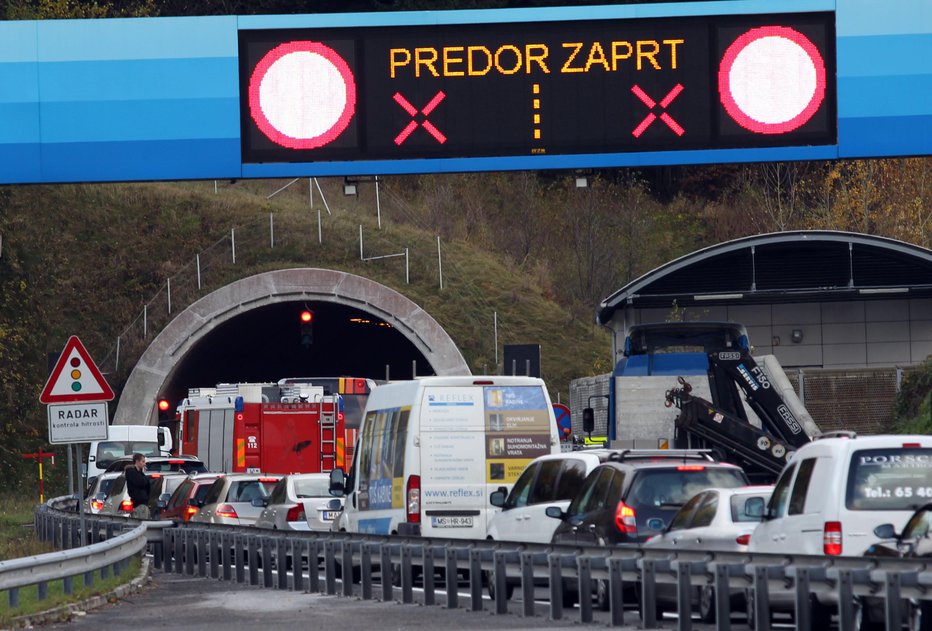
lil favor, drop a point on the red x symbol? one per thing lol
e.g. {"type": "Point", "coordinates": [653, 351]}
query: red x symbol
{"type": "Point", "coordinates": [426, 124]}
{"type": "Point", "coordinates": [651, 117]}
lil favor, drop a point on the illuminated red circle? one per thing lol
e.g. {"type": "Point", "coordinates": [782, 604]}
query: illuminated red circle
{"type": "Point", "coordinates": [163, 405]}
{"type": "Point", "coordinates": [302, 95]}
{"type": "Point", "coordinates": [306, 316]}
{"type": "Point", "coordinates": [783, 64]}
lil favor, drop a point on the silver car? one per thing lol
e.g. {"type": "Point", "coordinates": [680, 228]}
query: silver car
{"type": "Point", "coordinates": [713, 519]}
{"type": "Point", "coordinates": [161, 486]}
{"type": "Point", "coordinates": [97, 492]}
{"type": "Point", "coordinates": [232, 497]}
{"type": "Point", "coordinates": [300, 501]}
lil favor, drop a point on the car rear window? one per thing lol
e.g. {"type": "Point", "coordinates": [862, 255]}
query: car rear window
{"type": "Point", "coordinates": [312, 487]}
{"type": "Point", "coordinates": [184, 466]}
{"type": "Point", "coordinates": [248, 490]}
{"type": "Point", "coordinates": [109, 451]}
{"type": "Point", "coordinates": [659, 487]}
{"type": "Point", "coordinates": [893, 478]}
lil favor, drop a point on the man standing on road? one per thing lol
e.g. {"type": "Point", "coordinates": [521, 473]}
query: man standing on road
{"type": "Point", "coordinates": [137, 484]}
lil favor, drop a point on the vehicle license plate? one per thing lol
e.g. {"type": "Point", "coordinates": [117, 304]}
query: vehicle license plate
{"type": "Point", "coordinates": [330, 515]}
{"type": "Point", "coordinates": [451, 522]}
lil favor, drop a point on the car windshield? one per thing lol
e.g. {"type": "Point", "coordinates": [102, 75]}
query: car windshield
{"type": "Point", "coordinates": [312, 487]}
{"type": "Point", "coordinates": [918, 525]}
{"type": "Point", "coordinates": [894, 478]}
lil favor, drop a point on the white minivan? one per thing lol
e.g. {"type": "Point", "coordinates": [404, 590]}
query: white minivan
{"type": "Point", "coordinates": [125, 440]}
{"type": "Point", "coordinates": [432, 450]}
{"type": "Point", "coordinates": [835, 490]}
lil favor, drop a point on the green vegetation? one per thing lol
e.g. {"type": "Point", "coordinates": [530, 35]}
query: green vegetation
{"type": "Point", "coordinates": [17, 537]}
{"type": "Point", "coordinates": [29, 602]}
{"type": "Point", "coordinates": [913, 412]}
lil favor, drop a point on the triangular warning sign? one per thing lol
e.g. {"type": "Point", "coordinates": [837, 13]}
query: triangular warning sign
{"type": "Point", "coordinates": [75, 378]}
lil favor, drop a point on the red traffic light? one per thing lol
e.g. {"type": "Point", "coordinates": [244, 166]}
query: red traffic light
{"type": "Point", "coordinates": [163, 405]}
{"type": "Point", "coordinates": [306, 316]}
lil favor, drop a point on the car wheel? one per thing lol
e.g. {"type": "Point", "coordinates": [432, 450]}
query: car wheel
{"type": "Point", "coordinates": [707, 604]}
{"type": "Point", "coordinates": [820, 614]}
{"type": "Point", "coordinates": [863, 620]}
{"type": "Point", "coordinates": [489, 577]}
{"type": "Point", "coordinates": [920, 615]}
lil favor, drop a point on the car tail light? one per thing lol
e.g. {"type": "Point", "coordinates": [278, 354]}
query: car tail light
{"type": "Point", "coordinates": [176, 462]}
{"type": "Point", "coordinates": [269, 479]}
{"type": "Point", "coordinates": [413, 497]}
{"type": "Point", "coordinates": [226, 510]}
{"type": "Point", "coordinates": [743, 540]}
{"type": "Point", "coordinates": [690, 467]}
{"type": "Point", "coordinates": [189, 512]}
{"type": "Point", "coordinates": [296, 513]}
{"type": "Point", "coordinates": [96, 505]}
{"type": "Point", "coordinates": [625, 519]}
{"type": "Point", "coordinates": [831, 538]}
{"type": "Point", "coordinates": [126, 506]}
{"type": "Point", "coordinates": [911, 445]}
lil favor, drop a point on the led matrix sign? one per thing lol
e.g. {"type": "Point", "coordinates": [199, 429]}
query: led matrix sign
{"type": "Point", "coordinates": [478, 90]}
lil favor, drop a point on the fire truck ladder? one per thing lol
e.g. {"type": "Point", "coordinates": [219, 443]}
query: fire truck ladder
{"type": "Point", "coordinates": [328, 435]}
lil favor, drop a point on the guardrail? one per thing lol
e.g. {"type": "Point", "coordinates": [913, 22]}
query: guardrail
{"type": "Point", "coordinates": [113, 545]}
{"type": "Point", "coordinates": [622, 578]}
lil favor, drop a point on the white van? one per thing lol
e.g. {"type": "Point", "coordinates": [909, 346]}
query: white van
{"type": "Point", "coordinates": [431, 451]}
{"type": "Point", "coordinates": [125, 440]}
{"type": "Point", "coordinates": [834, 491]}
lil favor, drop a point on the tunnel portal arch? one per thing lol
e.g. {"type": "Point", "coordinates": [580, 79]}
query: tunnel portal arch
{"type": "Point", "coordinates": [157, 364]}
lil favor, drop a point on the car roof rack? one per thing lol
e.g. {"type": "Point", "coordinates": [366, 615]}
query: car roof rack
{"type": "Point", "coordinates": [684, 454]}
{"type": "Point", "coordinates": [840, 433]}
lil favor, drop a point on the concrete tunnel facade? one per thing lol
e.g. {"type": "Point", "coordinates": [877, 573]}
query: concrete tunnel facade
{"type": "Point", "coordinates": [158, 363]}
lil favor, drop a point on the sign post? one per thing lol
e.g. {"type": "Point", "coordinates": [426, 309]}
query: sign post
{"type": "Point", "coordinates": [39, 456]}
{"type": "Point", "coordinates": [76, 394]}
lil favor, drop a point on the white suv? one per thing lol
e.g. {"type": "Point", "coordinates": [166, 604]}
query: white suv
{"type": "Point", "coordinates": [835, 490]}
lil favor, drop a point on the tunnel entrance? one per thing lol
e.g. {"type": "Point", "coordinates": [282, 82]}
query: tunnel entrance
{"type": "Point", "coordinates": [270, 343]}
{"type": "Point", "coordinates": [250, 331]}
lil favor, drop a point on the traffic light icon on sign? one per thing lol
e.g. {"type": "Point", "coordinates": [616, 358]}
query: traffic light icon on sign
{"type": "Point", "coordinates": [307, 328]}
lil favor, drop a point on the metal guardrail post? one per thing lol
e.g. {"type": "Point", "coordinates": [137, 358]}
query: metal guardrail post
{"type": "Point", "coordinates": [722, 598]}
{"type": "Point", "coordinates": [616, 594]}
{"type": "Point", "coordinates": [13, 598]}
{"type": "Point", "coordinates": [42, 590]}
{"type": "Point", "coordinates": [407, 575]}
{"type": "Point", "coordinates": [501, 582]}
{"type": "Point", "coordinates": [178, 546]}
{"type": "Point", "coordinates": [527, 583]}
{"type": "Point", "coordinates": [89, 579]}
{"type": "Point", "coordinates": [297, 563]}
{"type": "Point", "coordinates": [762, 602]}
{"type": "Point", "coordinates": [649, 594]}
{"type": "Point", "coordinates": [281, 563]}
{"type": "Point", "coordinates": [189, 552]}
{"type": "Point", "coordinates": [67, 585]}
{"type": "Point", "coordinates": [346, 567]}
{"type": "Point", "coordinates": [845, 599]}
{"type": "Point", "coordinates": [556, 587]}
{"type": "Point", "coordinates": [239, 557]}
{"type": "Point", "coordinates": [202, 552]}
{"type": "Point", "coordinates": [801, 596]}
{"type": "Point", "coordinates": [330, 570]}
{"type": "Point", "coordinates": [475, 580]}
{"type": "Point", "coordinates": [365, 570]}
{"type": "Point", "coordinates": [892, 584]}
{"type": "Point", "coordinates": [584, 581]}
{"type": "Point", "coordinates": [266, 546]}
{"type": "Point", "coordinates": [451, 577]}
{"type": "Point", "coordinates": [427, 564]}
{"type": "Point", "coordinates": [313, 564]}
{"type": "Point", "coordinates": [252, 545]}
{"type": "Point", "coordinates": [385, 570]}
{"type": "Point", "coordinates": [684, 600]}
{"type": "Point", "coordinates": [226, 552]}
{"type": "Point", "coordinates": [214, 551]}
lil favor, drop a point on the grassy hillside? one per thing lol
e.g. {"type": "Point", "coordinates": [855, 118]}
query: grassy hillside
{"type": "Point", "coordinates": [85, 259]}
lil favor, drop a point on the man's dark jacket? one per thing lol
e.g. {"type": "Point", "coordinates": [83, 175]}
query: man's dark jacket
{"type": "Point", "coordinates": [138, 486]}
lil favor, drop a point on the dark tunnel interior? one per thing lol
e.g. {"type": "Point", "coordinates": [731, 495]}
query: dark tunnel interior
{"type": "Point", "coordinates": [270, 343]}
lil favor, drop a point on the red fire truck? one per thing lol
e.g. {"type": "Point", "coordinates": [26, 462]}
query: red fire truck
{"type": "Point", "coordinates": [293, 426]}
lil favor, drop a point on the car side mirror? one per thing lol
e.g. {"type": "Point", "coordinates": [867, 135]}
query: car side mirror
{"type": "Point", "coordinates": [588, 420]}
{"type": "Point", "coordinates": [260, 502]}
{"type": "Point", "coordinates": [337, 483]}
{"type": "Point", "coordinates": [497, 498]}
{"type": "Point", "coordinates": [555, 512]}
{"type": "Point", "coordinates": [885, 531]}
{"type": "Point", "coordinates": [162, 503]}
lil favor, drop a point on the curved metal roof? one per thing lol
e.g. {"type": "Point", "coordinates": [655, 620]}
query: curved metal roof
{"type": "Point", "coordinates": [797, 266]}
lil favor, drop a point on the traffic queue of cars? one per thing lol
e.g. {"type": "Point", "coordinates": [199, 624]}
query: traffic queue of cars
{"type": "Point", "coordinates": [181, 489]}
